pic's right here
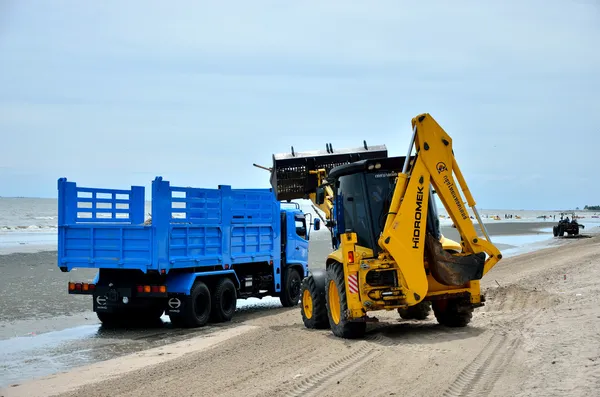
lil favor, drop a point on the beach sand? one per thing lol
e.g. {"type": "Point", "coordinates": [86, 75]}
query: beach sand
{"type": "Point", "coordinates": [537, 335]}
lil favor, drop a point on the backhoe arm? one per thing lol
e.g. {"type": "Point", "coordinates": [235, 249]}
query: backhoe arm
{"type": "Point", "coordinates": [404, 236]}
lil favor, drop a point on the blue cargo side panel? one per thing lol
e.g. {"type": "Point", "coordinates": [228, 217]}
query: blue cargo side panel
{"type": "Point", "coordinates": [106, 246]}
{"type": "Point", "coordinates": [195, 246]}
{"type": "Point", "coordinates": [252, 243]}
{"type": "Point", "coordinates": [252, 206]}
{"type": "Point", "coordinates": [196, 206]}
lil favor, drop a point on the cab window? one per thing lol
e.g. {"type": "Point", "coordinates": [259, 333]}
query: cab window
{"type": "Point", "coordinates": [300, 226]}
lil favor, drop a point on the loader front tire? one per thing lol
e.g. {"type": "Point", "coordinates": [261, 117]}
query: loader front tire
{"type": "Point", "coordinates": [453, 312]}
{"type": "Point", "coordinates": [337, 305]}
{"type": "Point", "coordinates": [420, 311]}
{"type": "Point", "coordinates": [313, 304]}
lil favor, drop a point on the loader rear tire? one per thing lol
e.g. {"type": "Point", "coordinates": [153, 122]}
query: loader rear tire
{"type": "Point", "coordinates": [419, 311]}
{"type": "Point", "coordinates": [312, 301]}
{"type": "Point", "coordinates": [453, 312]}
{"type": "Point", "coordinates": [337, 305]}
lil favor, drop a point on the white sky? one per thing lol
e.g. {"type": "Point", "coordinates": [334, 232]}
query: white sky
{"type": "Point", "coordinates": [114, 93]}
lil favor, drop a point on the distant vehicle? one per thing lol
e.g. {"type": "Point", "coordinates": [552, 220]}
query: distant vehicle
{"type": "Point", "coordinates": [566, 225]}
{"type": "Point", "coordinates": [202, 250]}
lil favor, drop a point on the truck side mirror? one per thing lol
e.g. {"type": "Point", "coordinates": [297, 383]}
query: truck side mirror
{"type": "Point", "coordinates": [320, 195]}
{"type": "Point", "coordinates": [317, 224]}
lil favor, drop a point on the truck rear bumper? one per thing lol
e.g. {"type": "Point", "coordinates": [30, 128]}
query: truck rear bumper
{"type": "Point", "coordinates": [110, 298]}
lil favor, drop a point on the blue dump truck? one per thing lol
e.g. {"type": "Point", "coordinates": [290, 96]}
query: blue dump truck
{"type": "Point", "coordinates": [201, 250]}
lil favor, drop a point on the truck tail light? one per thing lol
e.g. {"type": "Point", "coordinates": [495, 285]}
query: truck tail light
{"type": "Point", "coordinates": [350, 256]}
{"type": "Point", "coordinates": [140, 288]}
{"type": "Point", "coordinates": [163, 289]}
{"type": "Point", "coordinates": [147, 288]}
{"type": "Point", "coordinates": [71, 286]}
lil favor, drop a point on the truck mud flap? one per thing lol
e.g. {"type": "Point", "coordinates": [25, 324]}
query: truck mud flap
{"type": "Point", "coordinates": [453, 270]}
{"type": "Point", "coordinates": [291, 178]}
{"type": "Point", "coordinates": [176, 304]}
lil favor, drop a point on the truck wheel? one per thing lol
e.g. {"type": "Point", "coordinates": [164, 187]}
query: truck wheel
{"type": "Point", "coordinates": [453, 312]}
{"type": "Point", "coordinates": [555, 231]}
{"type": "Point", "coordinates": [420, 311]}
{"type": "Point", "coordinates": [314, 309]}
{"type": "Point", "coordinates": [291, 288]}
{"type": "Point", "coordinates": [224, 300]}
{"type": "Point", "coordinates": [337, 305]}
{"type": "Point", "coordinates": [198, 308]}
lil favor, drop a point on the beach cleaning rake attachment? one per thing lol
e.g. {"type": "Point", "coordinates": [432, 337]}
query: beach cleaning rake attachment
{"type": "Point", "coordinates": [294, 175]}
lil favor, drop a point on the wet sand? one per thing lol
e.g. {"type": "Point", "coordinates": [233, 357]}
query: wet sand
{"type": "Point", "coordinates": [44, 330]}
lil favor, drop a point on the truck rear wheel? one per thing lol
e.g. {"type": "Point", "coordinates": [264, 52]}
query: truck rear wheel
{"type": "Point", "coordinates": [453, 312]}
{"type": "Point", "coordinates": [224, 300]}
{"type": "Point", "coordinates": [314, 309]}
{"type": "Point", "coordinates": [337, 305]}
{"type": "Point", "coordinates": [290, 294]}
{"type": "Point", "coordinates": [420, 311]}
{"type": "Point", "coordinates": [555, 231]}
{"type": "Point", "coordinates": [197, 310]}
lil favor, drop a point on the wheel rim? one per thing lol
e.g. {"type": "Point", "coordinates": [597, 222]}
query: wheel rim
{"type": "Point", "coordinates": [307, 304]}
{"type": "Point", "coordinates": [334, 302]}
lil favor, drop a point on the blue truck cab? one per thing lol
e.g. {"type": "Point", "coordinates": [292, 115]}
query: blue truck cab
{"type": "Point", "coordinates": [201, 251]}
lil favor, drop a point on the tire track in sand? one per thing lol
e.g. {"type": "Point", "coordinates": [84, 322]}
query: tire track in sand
{"type": "Point", "coordinates": [313, 383]}
{"type": "Point", "coordinates": [483, 372]}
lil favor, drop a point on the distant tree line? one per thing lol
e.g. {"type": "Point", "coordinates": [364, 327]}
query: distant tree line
{"type": "Point", "coordinates": [592, 207]}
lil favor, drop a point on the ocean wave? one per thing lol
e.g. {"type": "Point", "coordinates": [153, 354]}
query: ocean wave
{"type": "Point", "coordinates": [29, 228]}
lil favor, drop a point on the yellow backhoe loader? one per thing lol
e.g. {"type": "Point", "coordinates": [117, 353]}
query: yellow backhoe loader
{"type": "Point", "coordinates": [389, 253]}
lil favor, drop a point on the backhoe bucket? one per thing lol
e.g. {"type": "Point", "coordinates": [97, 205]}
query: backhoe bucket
{"type": "Point", "coordinates": [453, 270]}
{"type": "Point", "coordinates": [291, 178]}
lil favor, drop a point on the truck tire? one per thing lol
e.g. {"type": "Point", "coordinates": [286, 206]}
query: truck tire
{"type": "Point", "coordinates": [453, 312]}
{"type": "Point", "coordinates": [555, 231]}
{"type": "Point", "coordinates": [337, 305]}
{"type": "Point", "coordinates": [197, 310]}
{"type": "Point", "coordinates": [290, 294]}
{"type": "Point", "coordinates": [312, 301]}
{"type": "Point", "coordinates": [420, 311]}
{"type": "Point", "coordinates": [224, 300]}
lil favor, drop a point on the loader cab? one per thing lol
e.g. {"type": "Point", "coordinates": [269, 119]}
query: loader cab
{"type": "Point", "coordinates": [363, 191]}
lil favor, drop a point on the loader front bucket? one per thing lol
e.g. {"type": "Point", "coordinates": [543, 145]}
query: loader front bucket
{"type": "Point", "coordinates": [291, 178]}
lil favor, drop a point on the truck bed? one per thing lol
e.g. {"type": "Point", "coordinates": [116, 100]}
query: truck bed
{"type": "Point", "coordinates": [190, 227]}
